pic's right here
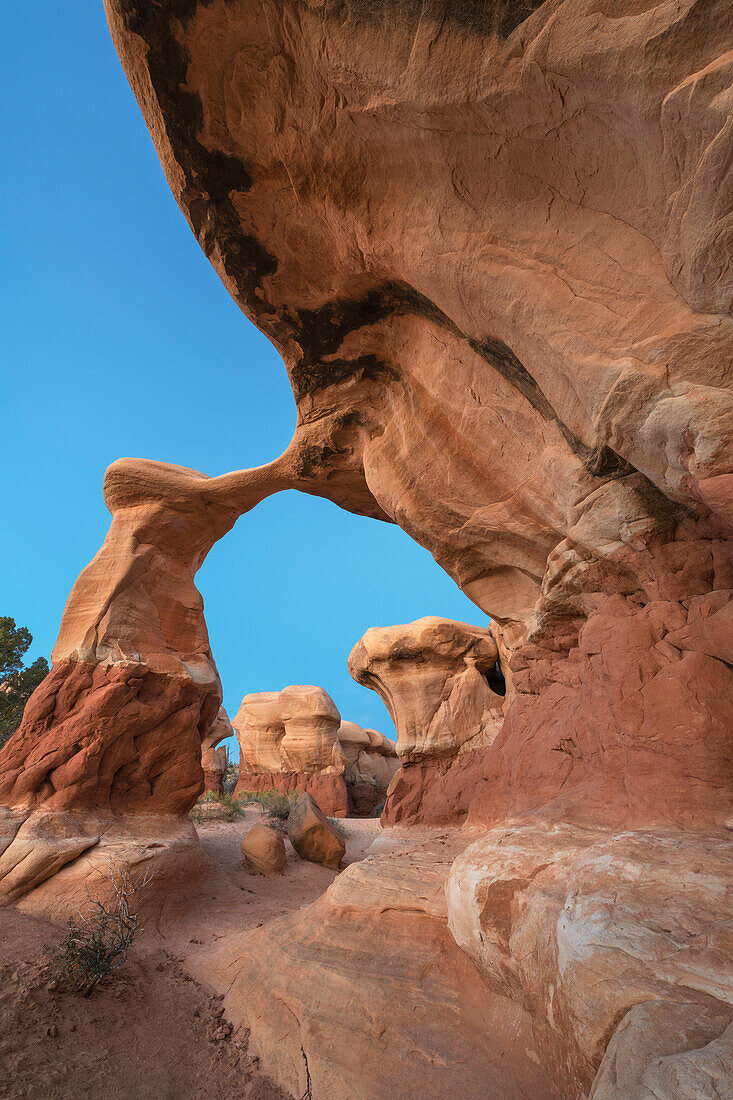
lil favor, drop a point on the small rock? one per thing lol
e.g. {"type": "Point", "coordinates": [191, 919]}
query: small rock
{"type": "Point", "coordinates": [51, 986]}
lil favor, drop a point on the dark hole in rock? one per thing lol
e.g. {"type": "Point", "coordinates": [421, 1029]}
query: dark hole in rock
{"type": "Point", "coordinates": [495, 680]}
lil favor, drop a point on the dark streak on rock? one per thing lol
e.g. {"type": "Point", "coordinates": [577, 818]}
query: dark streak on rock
{"type": "Point", "coordinates": [482, 17]}
{"type": "Point", "coordinates": [323, 331]}
{"type": "Point", "coordinates": [211, 177]}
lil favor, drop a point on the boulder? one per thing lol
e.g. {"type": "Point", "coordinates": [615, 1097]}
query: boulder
{"type": "Point", "coordinates": [264, 850]}
{"type": "Point", "coordinates": [312, 834]}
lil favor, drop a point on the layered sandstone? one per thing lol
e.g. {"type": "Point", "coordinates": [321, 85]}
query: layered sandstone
{"type": "Point", "coordinates": [527, 365]}
{"type": "Point", "coordinates": [371, 764]}
{"type": "Point", "coordinates": [435, 677]}
{"type": "Point", "coordinates": [294, 740]}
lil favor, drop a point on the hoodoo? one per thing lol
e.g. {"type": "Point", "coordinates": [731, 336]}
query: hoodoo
{"type": "Point", "coordinates": [294, 740]}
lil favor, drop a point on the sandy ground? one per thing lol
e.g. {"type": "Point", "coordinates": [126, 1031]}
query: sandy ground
{"type": "Point", "coordinates": [153, 1030]}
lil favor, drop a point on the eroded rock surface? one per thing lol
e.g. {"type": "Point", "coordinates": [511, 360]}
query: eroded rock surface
{"type": "Point", "coordinates": [114, 734]}
{"type": "Point", "coordinates": [606, 934]}
{"type": "Point", "coordinates": [312, 834]}
{"type": "Point", "coordinates": [213, 760]}
{"type": "Point", "coordinates": [492, 243]}
{"type": "Point", "coordinates": [390, 1005]}
{"type": "Point", "coordinates": [435, 677]}
{"type": "Point", "coordinates": [518, 347]}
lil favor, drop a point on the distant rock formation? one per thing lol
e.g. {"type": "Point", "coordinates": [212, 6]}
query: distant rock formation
{"type": "Point", "coordinates": [291, 740]}
{"type": "Point", "coordinates": [213, 760]}
{"type": "Point", "coordinates": [371, 764]}
{"type": "Point", "coordinates": [435, 677]}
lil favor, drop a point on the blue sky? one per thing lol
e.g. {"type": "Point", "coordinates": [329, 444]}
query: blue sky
{"type": "Point", "coordinates": [118, 339]}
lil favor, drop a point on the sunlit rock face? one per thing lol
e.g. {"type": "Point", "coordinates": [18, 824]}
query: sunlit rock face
{"type": "Point", "coordinates": [111, 742]}
{"type": "Point", "coordinates": [294, 740]}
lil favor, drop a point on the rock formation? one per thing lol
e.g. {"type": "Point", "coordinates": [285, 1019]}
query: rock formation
{"type": "Point", "coordinates": [312, 834]}
{"type": "Point", "coordinates": [288, 740]}
{"type": "Point", "coordinates": [587, 929]}
{"type": "Point", "coordinates": [435, 678]}
{"type": "Point", "coordinates": [213, 760]}
{"type": "Point", "coordinates": [371, 763]}
{"type": "Point", "coordinates": [264, 850]}
{"type": "Point", "coordinates": [108, 755]}
{"type": "Point", "coordinates": [525, 367]}
{"type": "Point", "coordinates": [492, 243]}
{"type": "Point", "coordinates": [291, 740]}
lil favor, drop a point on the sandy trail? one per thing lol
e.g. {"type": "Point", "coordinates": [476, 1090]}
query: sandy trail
{"type": "Point", "coordinates": [151, 1030]}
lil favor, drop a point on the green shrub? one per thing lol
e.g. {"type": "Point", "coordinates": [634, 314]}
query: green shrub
{"type": "Point", "coordinates": [273, 803]}
{"type": "Point", "coordinates": [213, 806]}
{"type": "Point", "coordinates": [97, 944]}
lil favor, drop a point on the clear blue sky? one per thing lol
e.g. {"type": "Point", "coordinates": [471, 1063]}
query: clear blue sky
{"type": "Point", "coordinates": [118, 339]}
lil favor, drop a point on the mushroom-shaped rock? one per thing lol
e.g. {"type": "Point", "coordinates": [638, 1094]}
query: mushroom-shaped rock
{"type": "Point", "coordinates": [311, 722]}
{"type": "Point", "coordinates": [432, 675]}
{"type": "Point", "coordinates": [312, 834]}
{"type": "Point", "coordinates": [264, 850]}
{"type": "Point", "coordinates": [260, 731]}
{"type": "Point", "coordinates": [288, 741]}
{"type": "Point", "coordinates": [213, 760]}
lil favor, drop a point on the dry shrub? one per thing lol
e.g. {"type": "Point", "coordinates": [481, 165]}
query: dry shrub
{"type": "Point", "coordinates": [98, 943]}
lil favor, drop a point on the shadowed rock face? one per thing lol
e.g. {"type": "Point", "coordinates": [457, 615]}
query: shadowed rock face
{"type": "Point", "coordinates": [214, 760]}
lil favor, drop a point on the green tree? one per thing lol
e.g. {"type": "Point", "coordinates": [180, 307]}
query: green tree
{"type": "Point", "coordinates": [17, 681]}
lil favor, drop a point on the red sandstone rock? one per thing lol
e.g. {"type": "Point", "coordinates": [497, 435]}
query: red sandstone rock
{"type": "Point", "coordinates": [264, 850]}
{"type": "Point", "coordinates": [312, 834]}
{"type": "Point", "coordinates": [434, 676]}
{"type": "Point", "coordinates": [294, 740]}
{"type": "Point", "coordinates": [214, 760]}
{"type": "Point", "coordinates": [329, 791]}
{"type": "Point", "coordinates": [492, 244]}
{"type": "Point", "coordinates": [116, 728]}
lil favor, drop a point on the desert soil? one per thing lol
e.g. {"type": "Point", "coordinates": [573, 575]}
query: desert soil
{"type": "Point", "coordinates": [152, 1030]}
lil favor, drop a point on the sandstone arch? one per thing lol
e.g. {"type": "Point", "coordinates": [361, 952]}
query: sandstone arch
{"type": "Point", "coordinates": [493, 248]}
